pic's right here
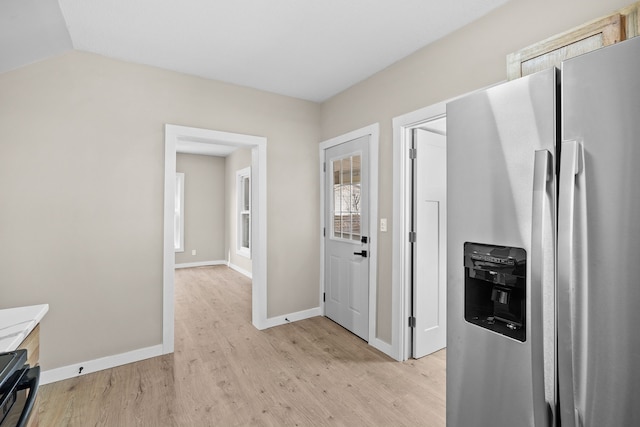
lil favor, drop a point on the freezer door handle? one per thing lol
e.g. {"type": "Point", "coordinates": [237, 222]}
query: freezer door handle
{"type": "Point", "coordinates": [542, 290]}
{"type": "Point", "coordinates": [571, 165]}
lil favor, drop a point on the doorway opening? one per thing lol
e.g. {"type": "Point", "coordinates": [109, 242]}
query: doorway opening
{"type": "Point", "coordinates": [407, 304]}
{"type": "Point", "coordinates": [179, 138]}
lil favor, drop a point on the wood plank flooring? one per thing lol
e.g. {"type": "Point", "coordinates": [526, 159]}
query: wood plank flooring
{"type": "Point", "coordinates": [224, 372]}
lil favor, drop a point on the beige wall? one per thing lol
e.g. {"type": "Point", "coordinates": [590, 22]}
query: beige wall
{"type": "Point", "coordinates": [236, 161]}
{"type": "Point", "coordinates": [204, 208]}
{"type": "Point", "coordinates": [82, 167]}
{"type": "Point", "coordinates": [469, 59]}
{"type": "Point", "coordinates": [82, 181]}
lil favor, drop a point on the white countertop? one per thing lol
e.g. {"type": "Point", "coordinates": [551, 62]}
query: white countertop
{"type": "Point", "coordinates": [17, 323]}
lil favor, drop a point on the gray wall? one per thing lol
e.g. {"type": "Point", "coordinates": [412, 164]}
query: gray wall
{"type": "Point", "coordinates": [204, 208]}
{"type": "Point", "coordinates": [236, 161]}
{"type": "Point", "coordinates": [469, 59]}
{"type": "Point", "coordinates": [82, 187]}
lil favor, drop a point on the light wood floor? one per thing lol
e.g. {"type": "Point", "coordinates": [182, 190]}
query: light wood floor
{"type": "Point", "coordinates": [224, 372]}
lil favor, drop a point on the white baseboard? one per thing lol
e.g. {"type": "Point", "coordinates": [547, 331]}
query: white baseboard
{"type": "Point", "coordinates": [200, 264]}
{"type": "Point", "coordinates": [376, 343]}
{"type": "Point", "coordinates": [82, 368]}
{"type": "Point", "coordinates": [240, 270]}
{"type": "Point", "coordinates": [293, 317]}
{"type": "Point", "coordinates": [87, 367]}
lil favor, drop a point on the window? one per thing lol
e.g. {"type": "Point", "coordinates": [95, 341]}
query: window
{"type": "Point", "coordinates": [178, 218]}
{"type": "Point", "coordinates": [243, 191]}
{"type": "Point", "coordinates": [346, 197]}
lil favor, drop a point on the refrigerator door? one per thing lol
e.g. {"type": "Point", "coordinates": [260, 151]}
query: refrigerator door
{"type": "Point", "coordinates": [599, 239]}
{"type": "Point", "coordinates": [501, 193]}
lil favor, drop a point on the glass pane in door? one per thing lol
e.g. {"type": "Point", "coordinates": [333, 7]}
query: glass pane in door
{"type": "Point", "coordinates": [346, 197]}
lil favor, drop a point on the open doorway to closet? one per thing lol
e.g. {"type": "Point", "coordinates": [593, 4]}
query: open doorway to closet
{"type": "Point", "coordinates": [419, 239]}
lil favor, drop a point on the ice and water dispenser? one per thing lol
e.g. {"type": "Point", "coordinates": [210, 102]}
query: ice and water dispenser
{"type": "Point", "coordinates": [495, 288]}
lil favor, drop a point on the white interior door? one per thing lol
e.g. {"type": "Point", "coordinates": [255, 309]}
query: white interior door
{"type": "Point", "coordinates": [346, 242]}
{"type": "Point", "coordinates": [429, 249]}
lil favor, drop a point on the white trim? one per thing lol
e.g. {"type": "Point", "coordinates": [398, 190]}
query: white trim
{"type": "Point", "coordinates": [400, 274]}
{"type": "Point", "coordinates": [259, 234]}
{"type": "Point", "coordinates": [374, 132]}
{"type": "Point", "coordinates": [180, 183]}
{"type": "Point", "coordinates": [200, 264]}
{"type": "Point", "coordinates": [95, 365]}
{"type": "Point", "coordinates": [211, 263]}
{"type": "Point", "coordinates": [168, 309]}
{"type": "Point", "coordinates": [175, 137]}
{"type": "Point", "coordinates": [293, 317]}
{"type": "Point", "coordinates": [239, 270]}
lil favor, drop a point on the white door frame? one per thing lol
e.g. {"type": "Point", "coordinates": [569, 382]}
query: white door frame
{"type": "Point", "coordinates": [373, 131]}
{"type": "Point", "coordinates": [400, 293]}
{"type": "Point", "coordinates": [174, 136]}
{"type": "Point", "coordinates": [401, 268]}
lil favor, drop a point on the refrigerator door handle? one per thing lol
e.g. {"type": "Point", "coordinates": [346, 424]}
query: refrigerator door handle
{"type": "Point", "coordinates": [542, 291]}
{"type": "Point", "coordinates": [571, 159]}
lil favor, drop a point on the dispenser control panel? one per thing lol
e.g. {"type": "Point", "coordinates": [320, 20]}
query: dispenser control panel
{"type": "Point", "coordinates": [495, 288]}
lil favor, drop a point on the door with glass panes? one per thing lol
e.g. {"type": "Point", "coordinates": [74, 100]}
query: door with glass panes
{"type": "Point", "coordinates": [346, 239]}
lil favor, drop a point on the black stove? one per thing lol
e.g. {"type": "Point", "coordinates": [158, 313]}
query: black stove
{"type": "Point", "coordinates": [18, 388]}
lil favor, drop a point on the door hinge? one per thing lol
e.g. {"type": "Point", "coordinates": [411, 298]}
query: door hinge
{"type": "Point", "coordinates": [412, 237]}
{"type": "Point", "coordinates": [324, 297]}
{"type": "Point", "coordinates": [412, 322]}
{"type": "Point", "coordinates": [324, 166]}
{"type": "Point", "coordinates": [413, 153]}
{"type": "Point", "coordinates": [324, 231]}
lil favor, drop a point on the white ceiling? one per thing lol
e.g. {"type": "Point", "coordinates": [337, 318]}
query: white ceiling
{"type": "Point", "coordinates": [302, 48]}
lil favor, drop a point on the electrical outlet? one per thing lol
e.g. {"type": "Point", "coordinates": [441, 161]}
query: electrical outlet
{"type": "Point", "coordinates": [193, 252]}
{"type": "Point", "coordinates": [383, 224]}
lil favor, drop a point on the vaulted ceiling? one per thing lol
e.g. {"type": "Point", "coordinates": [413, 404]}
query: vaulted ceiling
{"type": "Point", "coordinates": [302, 48]}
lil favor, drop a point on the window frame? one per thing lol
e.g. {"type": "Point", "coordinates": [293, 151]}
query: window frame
{"type": "Point", "coordinates": [241, 212]}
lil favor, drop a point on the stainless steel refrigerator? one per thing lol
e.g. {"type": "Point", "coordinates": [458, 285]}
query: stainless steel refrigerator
{"type": "Point", "coordinates": [543, 178]}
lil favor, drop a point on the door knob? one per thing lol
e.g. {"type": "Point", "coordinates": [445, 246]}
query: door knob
{"type": "Point", "coordinates": [363, 254]}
